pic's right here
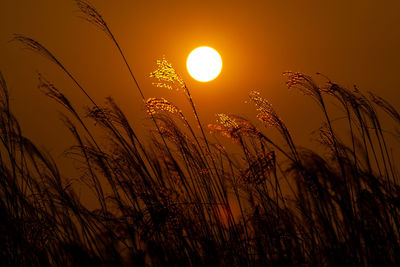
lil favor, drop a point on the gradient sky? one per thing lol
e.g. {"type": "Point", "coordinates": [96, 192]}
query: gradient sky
{"type": "Point", "coordinates": [352, 42]}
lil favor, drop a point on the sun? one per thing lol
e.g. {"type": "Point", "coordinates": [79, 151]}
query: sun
{"type": "Point", "coordinates": [204, 64]}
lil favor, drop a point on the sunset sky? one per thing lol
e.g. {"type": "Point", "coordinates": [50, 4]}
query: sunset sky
{"type": "Point", "coordinates": [352, 42]}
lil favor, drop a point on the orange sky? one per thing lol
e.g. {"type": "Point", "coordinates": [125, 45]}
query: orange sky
{"type": "Point", "coordinates": [352, 42]}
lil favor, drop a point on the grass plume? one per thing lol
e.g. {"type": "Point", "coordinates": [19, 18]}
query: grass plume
{"type": "Point", "coordinates": [183, 200]}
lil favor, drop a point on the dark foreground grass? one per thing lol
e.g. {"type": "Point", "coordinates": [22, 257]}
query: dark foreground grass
{"type": "Point", "coordinates": [185, 201]}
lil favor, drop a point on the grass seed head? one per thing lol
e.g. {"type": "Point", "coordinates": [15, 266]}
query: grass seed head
{"type": "Point", "coordinates": [167, 76]}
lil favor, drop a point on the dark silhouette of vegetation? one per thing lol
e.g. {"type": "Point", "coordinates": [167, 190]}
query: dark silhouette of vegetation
{"type": "Point", "coordinates": [183, 200]}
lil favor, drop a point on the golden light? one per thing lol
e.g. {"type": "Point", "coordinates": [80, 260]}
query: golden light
{"type": "Point", "coordinates": [204, 64]}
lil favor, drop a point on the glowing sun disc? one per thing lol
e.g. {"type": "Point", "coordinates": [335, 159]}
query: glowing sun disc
{"type": "Point", "coordinates": [204, 64]}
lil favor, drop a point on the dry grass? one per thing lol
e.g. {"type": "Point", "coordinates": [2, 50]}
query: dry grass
{"type": "Point", "coordinates": [183, 200]}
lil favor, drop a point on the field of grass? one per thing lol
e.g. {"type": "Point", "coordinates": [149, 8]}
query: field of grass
{"type": "Point", "coordinates": [183, 200]}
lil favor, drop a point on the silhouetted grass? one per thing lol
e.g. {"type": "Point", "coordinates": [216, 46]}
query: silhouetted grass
{"type": "Point", "coordinates": [183, 200]}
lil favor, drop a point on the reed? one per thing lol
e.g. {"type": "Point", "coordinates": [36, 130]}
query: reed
{"type": "Point", "coordinates": [183, 200]}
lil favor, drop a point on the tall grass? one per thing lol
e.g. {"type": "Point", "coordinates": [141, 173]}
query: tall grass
{"type": "Point", "coordinates": [184, 200]}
